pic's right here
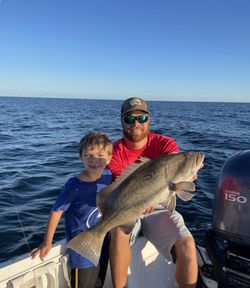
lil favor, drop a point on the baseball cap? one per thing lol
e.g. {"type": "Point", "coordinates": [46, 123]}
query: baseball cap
{"type": "Point", "coordinates": [134, 103]}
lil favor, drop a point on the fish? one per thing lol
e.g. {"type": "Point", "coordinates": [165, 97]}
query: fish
{"type": "Point", "coordinates": [142, 185]}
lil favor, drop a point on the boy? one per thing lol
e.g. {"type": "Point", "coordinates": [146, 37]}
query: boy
{"type": "Point", "coordinates": [78, 200]}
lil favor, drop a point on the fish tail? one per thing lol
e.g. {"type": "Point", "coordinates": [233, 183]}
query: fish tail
{"type": "Point", "coordinates": [88, 244]}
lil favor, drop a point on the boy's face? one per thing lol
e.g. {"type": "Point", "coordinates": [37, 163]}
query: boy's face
{"type": "Point", "coordinates": [95, 158]}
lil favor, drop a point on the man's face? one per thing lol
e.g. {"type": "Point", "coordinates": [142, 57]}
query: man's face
{"type": "Point", "coordinates": [136, 131]}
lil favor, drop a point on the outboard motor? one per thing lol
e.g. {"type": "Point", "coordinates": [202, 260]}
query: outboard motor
{"type": "Point", "coordinates": [231, 211]}
{"type": "Point", "coordinates": [228, 241]}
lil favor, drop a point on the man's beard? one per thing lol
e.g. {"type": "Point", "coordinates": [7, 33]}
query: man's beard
{"type": "Point", "coordinates": [135, 138]}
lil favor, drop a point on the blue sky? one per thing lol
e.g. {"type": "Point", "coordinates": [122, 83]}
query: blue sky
{"type": "Point", "coordinates": [113, 49]}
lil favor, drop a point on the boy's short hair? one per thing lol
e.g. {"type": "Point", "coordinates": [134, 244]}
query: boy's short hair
{"type": "Point", "coordinates": [95, 139]}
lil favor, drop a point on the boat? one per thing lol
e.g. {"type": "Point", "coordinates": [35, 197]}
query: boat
{"type": "Point", "coordinates": [148, 269]}
{"type": "Point", "coordinates": [224, 258]}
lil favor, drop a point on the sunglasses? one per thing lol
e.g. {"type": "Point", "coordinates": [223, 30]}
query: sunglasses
{"type": "Point", "coordinates": [131, 119]}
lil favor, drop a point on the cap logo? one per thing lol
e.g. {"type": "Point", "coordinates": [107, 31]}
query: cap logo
{"type": "Point", "coordinates": [135, 102]}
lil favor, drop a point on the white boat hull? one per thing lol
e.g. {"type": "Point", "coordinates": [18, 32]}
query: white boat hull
{"type": "Point", "coordinates": [23, 272]}
{"type": "Point", "coordinates": [147, 269]}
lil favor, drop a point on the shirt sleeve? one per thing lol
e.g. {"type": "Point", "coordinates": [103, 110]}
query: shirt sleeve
{"type": "Point", "coordinates": [169, 145]}
{"type": "Point", "coordinates": [160, 145]}
{"type": "Point", "coordinates": [64, 199]}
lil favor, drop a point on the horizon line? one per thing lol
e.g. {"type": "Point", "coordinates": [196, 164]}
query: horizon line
{"type": "Point", "coordinates": [119, 99]}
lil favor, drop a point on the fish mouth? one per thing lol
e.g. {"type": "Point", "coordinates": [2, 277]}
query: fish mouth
{"type": "Point", "coordinates": [200, 159]}
{"type": "Point", "coordinates": [198, 162]}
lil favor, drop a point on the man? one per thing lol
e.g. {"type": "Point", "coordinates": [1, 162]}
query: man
{"type": "Point", "coordinates": [165, 230]}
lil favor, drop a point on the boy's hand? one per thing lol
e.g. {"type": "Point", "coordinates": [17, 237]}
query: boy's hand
{"type": "Point", "coordinates": [42, 251]}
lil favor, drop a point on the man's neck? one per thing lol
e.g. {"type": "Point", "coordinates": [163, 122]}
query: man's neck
{"type": "Point", "coordinates": [136, 145]}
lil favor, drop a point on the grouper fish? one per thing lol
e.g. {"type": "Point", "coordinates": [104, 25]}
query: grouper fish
{"type": "Point", "coordinates": [143, 185]}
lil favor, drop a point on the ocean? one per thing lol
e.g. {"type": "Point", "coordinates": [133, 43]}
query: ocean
{"type": "Point", "coordinates": [38, 153]}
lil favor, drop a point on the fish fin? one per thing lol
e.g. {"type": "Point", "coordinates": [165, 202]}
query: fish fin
{"type": "Point", "coordinates": [127, 228]}
{"type": "Point", "coordinates": [185, 190]}
{"type": "Point", "coordinates": [184, 185]}
{"type": "Point", "coordinates": [87, 244]}
{"type": "Point", "coordinates": [170, 203]}
{"type": "Point", "coordinates": [103, 195]}
{"type": "Point", "coordinates": [131, 168]}
{"type": "Point", "coordinates": [142, 160]}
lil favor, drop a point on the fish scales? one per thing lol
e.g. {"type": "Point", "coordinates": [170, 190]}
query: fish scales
{"type": "Point", "coordinates": [134, 196]}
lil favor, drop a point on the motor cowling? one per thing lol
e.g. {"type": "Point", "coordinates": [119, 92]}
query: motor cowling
{"type": "Point", "coordinates": [231, 210]}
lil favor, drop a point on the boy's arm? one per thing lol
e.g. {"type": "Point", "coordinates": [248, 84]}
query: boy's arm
{"type": "Point", "coordinates": [45, 247]}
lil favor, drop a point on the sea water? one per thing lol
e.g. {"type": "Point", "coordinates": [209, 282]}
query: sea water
{"type": "Point", "coordinates": [39, 152]}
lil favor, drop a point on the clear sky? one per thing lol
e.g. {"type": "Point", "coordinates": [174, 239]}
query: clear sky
{"type": "Point", "coordinates": [112, 49]}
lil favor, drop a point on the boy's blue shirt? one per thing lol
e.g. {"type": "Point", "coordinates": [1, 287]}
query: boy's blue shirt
{"type": "Point", "coordinates": [78, 200]}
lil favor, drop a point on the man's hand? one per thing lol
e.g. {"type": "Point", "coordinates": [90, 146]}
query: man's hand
{"type": "Point", "coordinates": [149, 210]}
